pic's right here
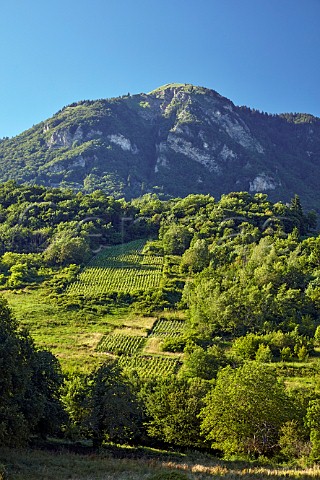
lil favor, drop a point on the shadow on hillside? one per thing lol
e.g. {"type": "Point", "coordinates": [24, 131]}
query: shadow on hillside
{"type": "Point", "coordinates": [195, 465]}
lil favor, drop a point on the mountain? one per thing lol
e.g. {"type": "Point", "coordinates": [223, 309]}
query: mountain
{"type": "Point", "coordinates": [175, 140]}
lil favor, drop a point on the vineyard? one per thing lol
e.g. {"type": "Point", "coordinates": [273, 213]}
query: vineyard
{"type": "Point", "coordinates": [167, 328]}
{"type": "Point", "coordinates": [121, 344]}
{"type": "Point", "coordinates": [133, 356]}
{"type": "Point", "coordinates": [150, 366]}
{"type": "Point", "coordinates": [123, 268]}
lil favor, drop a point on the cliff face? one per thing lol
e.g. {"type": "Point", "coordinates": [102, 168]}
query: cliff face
{"type": "Point", "coordinates": [176, 140]}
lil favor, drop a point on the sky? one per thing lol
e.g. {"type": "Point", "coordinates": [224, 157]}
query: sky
{"type": "Point", "coordinates": [264, 54]}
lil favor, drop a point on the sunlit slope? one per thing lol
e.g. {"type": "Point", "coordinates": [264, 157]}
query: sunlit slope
{"type": "Point", "coordinates": [123, 268]}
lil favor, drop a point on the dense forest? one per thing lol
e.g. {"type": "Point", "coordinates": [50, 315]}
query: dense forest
{"type": "Point", "coordinates": [244, 271]}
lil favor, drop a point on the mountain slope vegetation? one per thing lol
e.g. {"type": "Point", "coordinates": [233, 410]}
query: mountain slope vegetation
{"type": "Point", "coordinates": [176, 140]}
{"type": "Point", "coordinates": [222, 353]}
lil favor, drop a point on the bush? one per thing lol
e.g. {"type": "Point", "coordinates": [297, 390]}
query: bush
{"type": "Point", "coordinates": [175, 344]}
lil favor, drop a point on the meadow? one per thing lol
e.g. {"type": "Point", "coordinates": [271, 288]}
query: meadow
{"type": "Point", "coordinates": [81, 340]}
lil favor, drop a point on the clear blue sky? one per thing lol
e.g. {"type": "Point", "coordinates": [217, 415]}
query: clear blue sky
{"type": "Point", "coordinates": [261, 53]}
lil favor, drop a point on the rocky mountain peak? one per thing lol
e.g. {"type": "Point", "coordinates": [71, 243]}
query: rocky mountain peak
{"type": "Point", "coordinates": [175, 140]}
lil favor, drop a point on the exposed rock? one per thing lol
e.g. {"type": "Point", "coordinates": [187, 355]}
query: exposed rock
{"type": "Point", "coordinates": [63, 138]}
{"type": "Point", "coordinates": [76, 162]}
{"type": "Point", "coordinates": [180, 145]}
{"type": "Point", "coordinates": [93, 134]}
{"type": "Point", "coordinates": [227, 154]}
{"type": "Point", "coordinates": [123, 143]}
{"type": "Point", "coordinates": [263, 182]}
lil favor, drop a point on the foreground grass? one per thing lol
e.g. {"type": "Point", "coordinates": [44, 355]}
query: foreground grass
{"type": "Point", "coordinates": [36, 465]}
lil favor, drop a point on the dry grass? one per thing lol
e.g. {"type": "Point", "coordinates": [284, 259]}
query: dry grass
{"type": "Point", "coordinates": [134, 332]}
{"type": "Point", "coordinates": [153, 346]}
{"type": "Point", "coordinates": [134, 321]}
{"type": "Point", "coordinates": [36, 465]}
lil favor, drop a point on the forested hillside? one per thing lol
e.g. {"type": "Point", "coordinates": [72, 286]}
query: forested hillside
{"type": "Point", "coordinates": [176, 140]}
{"type": "Point", "coordinates": [204, 323]}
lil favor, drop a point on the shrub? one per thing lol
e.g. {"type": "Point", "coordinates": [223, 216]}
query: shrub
{"type": "Point", "coordinates": [176, 344]}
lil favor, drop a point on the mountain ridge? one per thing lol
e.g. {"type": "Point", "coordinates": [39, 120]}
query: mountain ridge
{"type": "Point", "coordinates": [174, 140]}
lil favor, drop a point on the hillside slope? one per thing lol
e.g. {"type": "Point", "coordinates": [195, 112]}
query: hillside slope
{"type": "Point", "coordinates": [176, 140]}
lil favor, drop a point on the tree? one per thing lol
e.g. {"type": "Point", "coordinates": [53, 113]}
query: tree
{"type": "Point", "coordinates": [67, 248]}
{"type": "Point", "coordinates": [30, 380]}
{"type": "Point", "coordinates": [200, 363]}
{"type": "Point", "coordinates": [292, 441]}
{"type": "Point", "coordinates": [245, 410]}
{"type": "Point", "coordinates": [313, 422]}
{"type": "Point", "coordinates": [13, 381]}
{"type": "Point", "coordinates": [41, 404]}
{"type": "Point", "coordinates": [173, 406]}
{"type": "Point", "coordinates": [113, 409]}
{"type": "Point", "coordinates": [76, 391]}
{"type": "Point", "coordinates": [264, 354]}
{"type": "Point", "coordinates": [176, 240]}
{"type": "Point", "coordinates": [196, 258]}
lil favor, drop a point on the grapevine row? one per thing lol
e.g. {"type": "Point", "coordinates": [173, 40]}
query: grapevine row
{"type": "Point", "coordinates": [150, 366]}
{"type": "Point", "coordinates": [167, 328]}
{"type": "Point", "coordinates": [119, 343]}
{"type": "Point", "coordinates": [122, 268]}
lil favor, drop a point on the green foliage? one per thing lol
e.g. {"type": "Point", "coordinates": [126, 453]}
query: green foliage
{"type": "Point", "coordinates": [264, 354]}
{"type": "Point", "coordinates": [166, 327]}
{"type": "Point", "coordinates": [150, 366]}
{"type": "Point", "coordinates": [173, 408]}
{"type": "Point", "coordinates": [245, 410]}
{"type": "Point", "coordinates": [30, 382]}
{"type": "Point", "coordinates": [196, 258]}
{"type": "Point", "coordinates": [67, 248]}
{"type": "Point", "coordinates": [75, 392]}
{"type": "Point", "coordinates": [313, 422]}
{"type": "Point", "coordinates": [113, 410]}
{"type": "Point", "coordinates": [201, 363]}
{"type": "Point", "coordinates": [248, 282]}
{"type": "Point", "coordinates": [292, 440]}
{"type": "Point", "coordinates": [109, 144]}
{"type": "Point", "coordinates": [176, 240]}
{"type": "Point", "coordinates": [273, 344]}
{"type": "Point", "coordinates": [175, 344]}
{"type": "Point", "coordinates": [121, 344]}
{"type": "Point", "coordinates": [317, 335]}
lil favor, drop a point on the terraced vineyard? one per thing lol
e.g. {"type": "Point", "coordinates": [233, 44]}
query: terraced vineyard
{"type": "Point", "coordinates": [149, 366]}
{"type": "Point", "coordinates": [118, 343]}
{"type": "Point", "coordinates": [122, 268]}
{"type": "Point", "coordinates": [167, 328]}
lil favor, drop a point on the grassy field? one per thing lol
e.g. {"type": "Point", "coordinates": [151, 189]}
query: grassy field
{"type": "Point", "coordinates": [43, 465]}
{"type": "Point", "coordinates": [82, 340]}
